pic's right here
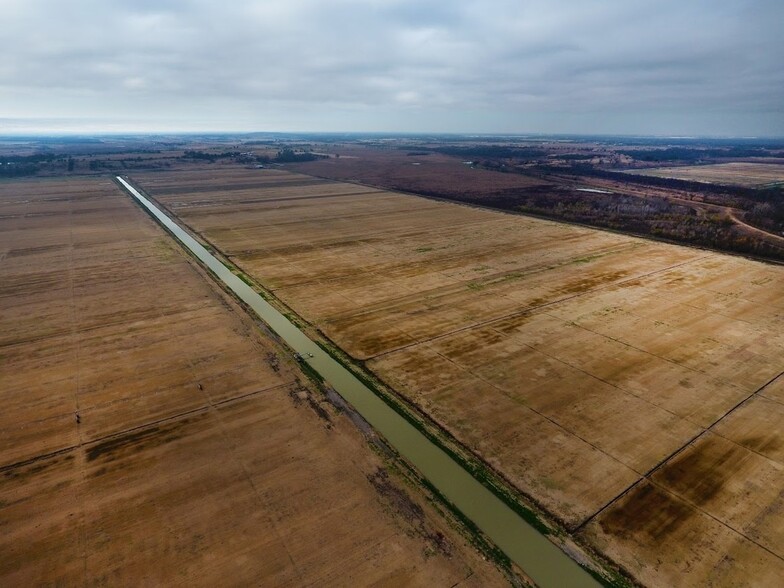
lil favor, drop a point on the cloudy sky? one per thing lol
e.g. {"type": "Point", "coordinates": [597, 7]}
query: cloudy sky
{"type": "Point", "coordinates": [663, 67]}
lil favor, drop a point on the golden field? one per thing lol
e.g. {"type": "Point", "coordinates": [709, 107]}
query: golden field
{"type": "Point", "coordinates": [152, 434]}
{"type": "Point", "coordinates": [752, 175]}
{"type": "Point", "coordinates": [630, 388]}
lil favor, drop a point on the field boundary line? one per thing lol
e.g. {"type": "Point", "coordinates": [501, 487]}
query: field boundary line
{"type": "Point", "coordinates": [675, 453]}
{"type": "Point", "coordinates": [203, 408]}
{"type": "Point", "coordinates": [533, 269]}
{"type": "Point", "coordinates": [710, 516]}
{"type": "Point", "coordinates": [532, 309]}
{"type": "Point", "coordinates": [660, 357]}
{"type": "Point", "coordinates": [535, 411]}
{"type": "Point", "coordinates": [641, 236]}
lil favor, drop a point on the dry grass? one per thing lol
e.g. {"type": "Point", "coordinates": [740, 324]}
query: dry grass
{"type": "Point", "coordinates": [753, 175]}
{"type": "Point", "coordinates": [574, 361]}
{"type": "Point", "coordinates": [432, 173]}
{"type": "Point", "coordinates": [197, 458]}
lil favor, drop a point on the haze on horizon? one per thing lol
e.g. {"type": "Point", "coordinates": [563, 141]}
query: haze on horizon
{"type": "Point", "coordinates": [500, 66]}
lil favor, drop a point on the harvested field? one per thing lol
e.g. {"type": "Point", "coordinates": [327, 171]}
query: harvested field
{"type": "Point", "coordinates": [752, 175]}
{"type": "Point", "coordinates": [421, 172]}
{"type": "Point", "coordinates": [151, 435]}
{"type": "Point", "coordinates": [576, 362]}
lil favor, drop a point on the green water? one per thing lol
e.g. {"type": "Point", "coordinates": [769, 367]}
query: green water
{"type": "Point", "coordinates": [545, 563]}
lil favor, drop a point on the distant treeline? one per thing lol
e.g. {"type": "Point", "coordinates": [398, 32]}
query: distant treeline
{"type": "Point", "coordinates": [690, 154]}
{"type": "Point", "coordinates": [764, 207]}
{"type": "Point", "coordinates": [722, 190]}
{"type": "Point", "coordinates": [487, 151]}
{"type": "Point", "coordinates": [204, 156]}
{"type": "Point", "coordinates": [289, 156]}
{"type": "Point", "coordinates": [35, 158]}
{"type": "Point", "coordinates": [283, 156]}
{"type": "Point", "coordinates": [14, 166]}
{"type": "Point", "coordinates": [671, 153]}
{"type": "Point", "coordinates": [656, 217]}
{"type": "Point", "coordinates": [16, 170]}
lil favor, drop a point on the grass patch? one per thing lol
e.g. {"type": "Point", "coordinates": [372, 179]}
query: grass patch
{"type": "Point", "coordinates": [493, 282]}
{"type": "Point", "coordinates": [612, 580]}
{"type": "Point", "coordinates": [481, 473]}
{"type": "Point", "coordinates": [244, 278]}
{"type": "Point", "coordinates": [512, 276]}
{"type": "Point", "coordinates": [478, 538]}
{"type": "Point", "coordinates": [311, 373]}
{"type": "Point", "coordinates": [588, 258]}
{"type": "Point", "coordinates": [404, 471]}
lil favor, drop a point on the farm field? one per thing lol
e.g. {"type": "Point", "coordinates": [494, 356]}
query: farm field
{"type": "Point", "coordinates": [752, 175]}
{"type": "Point", "coordinates": [416, 171]}
{"type": "Point", "coordinates": [151, 434]}
{"type": "Point", "coordinates": [629, 387]}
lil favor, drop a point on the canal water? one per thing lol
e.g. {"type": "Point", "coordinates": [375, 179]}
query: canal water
{"type": "Point", "coordinates": [545, 563]}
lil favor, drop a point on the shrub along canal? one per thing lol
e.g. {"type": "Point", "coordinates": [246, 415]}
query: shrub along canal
{"type": "Point", "coordinates": [542, 560]}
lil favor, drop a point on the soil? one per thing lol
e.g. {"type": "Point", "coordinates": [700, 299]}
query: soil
{"type": "Point", "coordinates": [584, 366]}
{"type": "Point", "coordinates": [735, 173]}
{"type": "Point", "coordinates": [151, 434]}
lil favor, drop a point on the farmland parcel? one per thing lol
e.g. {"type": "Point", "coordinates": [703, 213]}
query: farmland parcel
{"type": "Point", "coordinates": [151, 434]}
{"type": "Point", "coordinates": [631, 388]}
{"type": "Point", "coordinates": [753, 175]}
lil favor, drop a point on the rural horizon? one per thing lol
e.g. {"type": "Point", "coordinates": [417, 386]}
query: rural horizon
{"type": "Point", "coordinates": [392, 293]}
{"type": "Point", "coordinates": [79, 131]}
{"type": "Point", "coordinates": [85, 127]}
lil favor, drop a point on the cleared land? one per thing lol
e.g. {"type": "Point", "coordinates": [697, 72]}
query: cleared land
{"type": "Point", "coordinates": [752, 175]}
{"type": "Point", "coordinates": [580, 364]}
{"type": "Point", "coordinates": [197, 457]}
{"type": "Point", "coordinates": [421, 172]}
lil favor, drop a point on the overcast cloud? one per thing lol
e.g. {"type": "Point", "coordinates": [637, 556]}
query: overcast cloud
{"type": "Point", "coordinates": [662, 67]}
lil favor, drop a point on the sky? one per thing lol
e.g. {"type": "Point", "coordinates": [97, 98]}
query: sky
{"type": "Point", "coordinates": [652, 67]}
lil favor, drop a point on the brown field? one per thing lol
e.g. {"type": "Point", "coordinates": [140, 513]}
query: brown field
{"type": "Point", "coordinates": [753, 175]}
{"type": "Point", "coordinates": [580, 364]}
{"type": "Point", "coordinates": [432, 173]}
{"type": "Point", "coordinates": [198, 457]}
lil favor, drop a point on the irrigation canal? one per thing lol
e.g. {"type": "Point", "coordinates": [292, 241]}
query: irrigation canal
{"type": "Point", "coordinates": [542, 560]}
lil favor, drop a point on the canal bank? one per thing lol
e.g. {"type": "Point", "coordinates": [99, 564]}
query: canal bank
{"type": "Point", "coordinates": [542, 560]}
